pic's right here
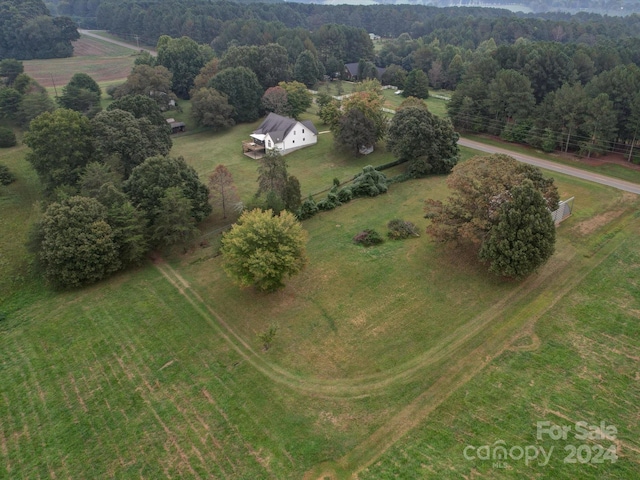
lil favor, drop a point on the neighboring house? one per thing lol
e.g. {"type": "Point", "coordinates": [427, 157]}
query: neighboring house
{"type": "Point", "coordinates": [374, 37]}
{"type": "Point", "coordinates": [280, 133]}
{"type": "Point", "coordinates": [176, 126]}
{"type": "Point", "coordinates": [351, 72]}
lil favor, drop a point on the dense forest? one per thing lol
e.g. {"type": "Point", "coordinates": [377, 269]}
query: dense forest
{"type": "Point", "coordinates": [555, 81]}
{"type": "Point", "coordinates": [204, 20]}
{"type": "Point", "coordinates": [27, 30]}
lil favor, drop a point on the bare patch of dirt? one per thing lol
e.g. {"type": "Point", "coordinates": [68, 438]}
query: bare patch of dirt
{"type": "Point", "coordinates": [591, 225]}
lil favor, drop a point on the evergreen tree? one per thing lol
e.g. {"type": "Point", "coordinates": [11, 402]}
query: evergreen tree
{"type": "Point", "coordinates": [416, 85]}
{"type": "Point", "coordinates": [523, 237]}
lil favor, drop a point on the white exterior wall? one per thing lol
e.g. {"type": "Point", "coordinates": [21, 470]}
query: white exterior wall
{"type": "Point", "coordinates": [299, 136]}
{"type": "Point", "coordinates": [269, 141]}
{"type": "Point", "coordinates": [296, 138]}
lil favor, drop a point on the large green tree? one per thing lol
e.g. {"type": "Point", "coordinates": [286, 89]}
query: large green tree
{"type": "Point", "coordinates": [173, 223]}
{"type": "Point", "coordinates": [307, 69]}
{"type": "Point", "coordinates": [76, 244]}
{"type": "Point", "coordinates": [243, 91]}
{"type": "Point", "coordinates": [299, 99]}
{"type": "Point", "coordinates": [354, 131]}
{"type": "Point", "coordinates": [140, 106]}
{"type": "Point", "coordinates": [416, 85]}
{"type": "Point", "coordinates": [210, 108]}
{"type": "Point", "coordinates": [130, 140]}
{"type": "Point", "coordinates": [276, 187]}
{"type": "Point", "coordinates": [9, 102]}
{"type": "Point", "coordinates": [10, 68]}
{"type": "Point", "coordinates": [27, 31]}
{"type": "Point", "coordinates": [263, 250]}
{"type": "Point", "coordinates": [362, 122]}
{"type": "Point", "coordinates": [154, 82]}
{"type": "Point", "coordinates": [510, 97]}
{"type": "Point", "coordinates": [184, 58]}
{"type": "Point", "coordinates": [427, 142]}
{"type": "Point", "coordinates": [127, 222]}
{"type": "Point", "coordinates": [61, 146]}
{"type": "Point", "coordinates": [481, 208]}
{"type": "Point", "coordinates": [81, 94]}
{"type": "Point", "coordinates": [523, 235]}
{"type": "Point", "coordinates": [149, 182]}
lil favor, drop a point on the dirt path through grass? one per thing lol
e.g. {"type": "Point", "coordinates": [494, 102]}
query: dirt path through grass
{"type": "Point", "coordinates": [459, 340]}
{"type": "Point", "coordinates": [503, 337]}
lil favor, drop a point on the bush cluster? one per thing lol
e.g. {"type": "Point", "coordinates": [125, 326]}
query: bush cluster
{"type": "Point", "coordinates": [401, 229]}
{"type": "Point", "coordinates": [7, 137]}
{"type": "Point", "coordinates": [6, 177]}
{"type": "Point", "coordinates": [368, 238]}
{"type": "Point", "coordinates": [368, 183]}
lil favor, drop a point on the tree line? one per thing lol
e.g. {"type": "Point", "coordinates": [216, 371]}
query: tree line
{"type": "Point", "coordinates": [250, 24]}
{"type": "Point", "coordinates": [551, 97]}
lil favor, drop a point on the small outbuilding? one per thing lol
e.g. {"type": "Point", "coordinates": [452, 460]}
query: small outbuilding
{"type": "Point", "coordinates": [176, 127]}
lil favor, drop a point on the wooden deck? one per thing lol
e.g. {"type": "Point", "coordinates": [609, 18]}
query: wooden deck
{"type": "Point", "coordinates": [253, 150]}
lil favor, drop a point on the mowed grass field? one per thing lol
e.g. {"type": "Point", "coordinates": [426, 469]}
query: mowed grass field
{"type": "Point", "coordinates": [387, 363]}
{"type": "Point", "coordinates": [158, 372]}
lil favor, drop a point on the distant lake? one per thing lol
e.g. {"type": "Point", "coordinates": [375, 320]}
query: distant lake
{"type": "Point", "coordinates": [513, 8]}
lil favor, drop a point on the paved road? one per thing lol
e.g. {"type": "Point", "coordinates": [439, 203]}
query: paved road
{"type": "Point", "coordinates": [89, 33]}
{"type": "Point", "coordinates": [556, 167]}
{"type": "Point", "coordinates": [548, 165]}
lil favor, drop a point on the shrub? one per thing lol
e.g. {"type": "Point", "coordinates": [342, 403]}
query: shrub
{"type": "Point", "coordinates": [345, 195]}
{"type": "Point", "coordinates": [308, 209]}
{"type": "Point", "coordinates": [7, 138]}
{"type": "Point", "coordinates": [401, 229]}
{"type": "Point", "coordinates": [369, 183]}
{"type": "Point", "coordinates": [330, 202]}
{"type": "Point", "coordinates": [368, 238]}
{"type": "Point", "coordinates": [6, 177]}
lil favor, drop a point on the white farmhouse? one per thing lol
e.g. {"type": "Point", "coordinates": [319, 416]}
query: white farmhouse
{"type": "Point", "coordinates": [280, 133]}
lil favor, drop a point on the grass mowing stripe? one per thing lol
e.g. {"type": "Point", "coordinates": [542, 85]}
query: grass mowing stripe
{"type": "Point", "coordinates": [466, 368]}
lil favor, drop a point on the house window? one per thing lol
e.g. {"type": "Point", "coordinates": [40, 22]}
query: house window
{"type": "Point", "coordinates": [303, 130]}
{"type": "Point", "coordinates": [294, 132]}
{"type": "Point", "coordinates": [304, 139]}
{"type": "Point", "coordinates": [293, 141]}
{"type": "Point", "coordinates": [269, 143]}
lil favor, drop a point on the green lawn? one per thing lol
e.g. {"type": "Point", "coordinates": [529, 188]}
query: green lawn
{"type": "Point", "coordinates": [158, 371]}
{"type": "Point", "coordinates": [388, 361]}
{"type": "Point", "coordinates": [18, 206]}
{"type": "Point", "coordinates": [578, 363]}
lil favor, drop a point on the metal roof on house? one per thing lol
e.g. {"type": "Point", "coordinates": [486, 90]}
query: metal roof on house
{"type": "Point", "coordinates": [278, 126]}
{"type": "Point", "coordinates": [352, 68]}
